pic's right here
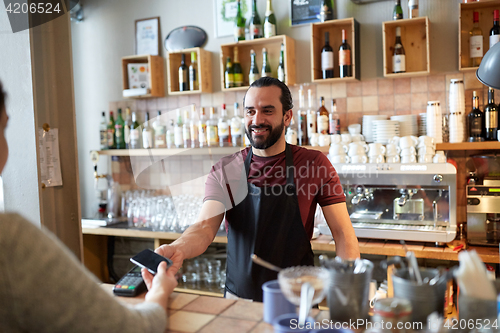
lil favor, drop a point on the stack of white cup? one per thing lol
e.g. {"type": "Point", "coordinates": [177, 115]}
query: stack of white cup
{"type": "Point", "coordinates": [408, 149]}
{"type": "Point", "coordinates": [392, 150]}
{"type": "Point", "coordinates": [434, 121]}
{"type": "Point", "coordinates": [357, 152]}
{"type": "Point", "coordinates": [439, 157]}
{"type": "Point", "coordinates": [376, 153]}
{"type": "Point", "coordinates": [457, 111]}
{"type": "Point", "coordinates": [337, 153]}
{"type": "Point", "coordinates": [426, 149]}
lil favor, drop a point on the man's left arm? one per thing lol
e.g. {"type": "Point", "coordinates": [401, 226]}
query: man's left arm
{"type": "Point", "coordinates": [346, 242]}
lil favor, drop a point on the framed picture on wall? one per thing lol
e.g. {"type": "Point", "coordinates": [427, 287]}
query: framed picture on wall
{"type": "Point", "coordinates": [304, 11]}
{"type": "Point", "coordinates": [225, 14]}
{"type": "Point", "coordinates": [147, 36]}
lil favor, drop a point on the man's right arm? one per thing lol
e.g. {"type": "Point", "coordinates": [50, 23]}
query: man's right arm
{"type": "Point", "coordinates": [196, 239]}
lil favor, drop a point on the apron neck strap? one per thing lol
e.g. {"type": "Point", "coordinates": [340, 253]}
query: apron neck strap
{"type": "Point", "coordinates": [288, 163]}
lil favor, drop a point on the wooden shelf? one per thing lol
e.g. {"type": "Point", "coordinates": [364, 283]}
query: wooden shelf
{"type": "Point", "coordinates": [204, 60]}
{"type": "Point", "coordinates": [465, 22]}
{"type": "Point", "coordinates": [486, 145]}
{"type": "Point", "coordinates": [415, 40]}
{"type": "Point", "coordinates": [156, 74]}
{"type": "Point", "coordinates": [410, 74]}
{"type": "Point", "coordinates": [273, 46]}
{"type": "Point", "coordinates": [334, 27]}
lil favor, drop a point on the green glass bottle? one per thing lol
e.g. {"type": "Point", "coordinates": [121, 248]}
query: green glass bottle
{"type": "Point", "coordinates": [120, 131]}
{"type": "Point", "coordinates": [281, 66]}
{"type": "Point", "coordinates": [237, 71]}
{"type": "Point", "coordinates": [255, 26]}
{"type": "Point", "coordinates": [111, 132]}
{"type": "Point", "coordinates": [270, 21]}
{"type": "Point", "coordinates": [228, 74]}
{"type": "Point", "coordinates": [266, 68]}
{"type": "Point", "coordinates": [326, 11]}
{"type": "Point", "coordinates": [239, 24]}
{"type": "Point", "coordinates": [253, 73]}
{"type": "Point", "coordinates": [397, 14]}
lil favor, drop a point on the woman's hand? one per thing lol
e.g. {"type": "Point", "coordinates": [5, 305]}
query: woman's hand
{"type": "Point", "coordinates": [161, 285]}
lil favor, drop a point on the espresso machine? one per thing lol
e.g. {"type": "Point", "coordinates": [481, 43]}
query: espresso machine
{"type": "Point", "coordinates": [483, 202]}
{"type": "Point", "coordinates": [412, 202]}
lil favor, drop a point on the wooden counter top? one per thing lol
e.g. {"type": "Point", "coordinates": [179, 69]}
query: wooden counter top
{"type": "Point", "coordinates": [322, 243]}
{"type": "Point", "coordinates": [193, 313]}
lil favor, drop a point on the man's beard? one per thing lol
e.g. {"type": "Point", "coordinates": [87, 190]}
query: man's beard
{"type": "Point", "coordinates": [272, 138]}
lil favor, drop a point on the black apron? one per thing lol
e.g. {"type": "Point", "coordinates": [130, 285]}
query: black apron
{"type": "Point", "coordinates": [268, 223]}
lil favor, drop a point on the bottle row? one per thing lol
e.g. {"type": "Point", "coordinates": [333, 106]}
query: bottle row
{"type": "Point", "coordinates": [483, 125]}
{"type": "Point", "coordinates": [476, 39]}
{"type": "Point", "coordinates": [344, 56]}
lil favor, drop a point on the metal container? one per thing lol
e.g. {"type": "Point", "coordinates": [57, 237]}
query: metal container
{"type": "Point", "coordinates": [391, 312]}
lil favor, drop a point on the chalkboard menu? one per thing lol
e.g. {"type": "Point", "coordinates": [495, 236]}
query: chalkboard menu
{"type": "Point", "coordinates": [304, 11]}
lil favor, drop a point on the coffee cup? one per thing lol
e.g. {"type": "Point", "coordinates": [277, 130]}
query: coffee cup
{"type": "Point", "coordinates": [335, 138]}
{"type": "Point", "coordinates": [377, 159]}
{"type": "Point", "coordinates": [439, 157]}
{"type": "Point", "coordinates": [346, 138]}
{"type": "Point", "coordinates": [426, 150]}
{"type": "Point", "coordinates": [354, 129]}
{"type": "Point", "coordinates": [357, 138]}
{"type": "Point", "coordinates": [426, 140]}
{"type": "Point", "coordinates": [395, 140]}
{"type": "Point", "coordinates": [275, 303]}
{"type": "Point", "coordinates": [408, 141]}
{"type": "Point", "coordinates": [337, 149]}
{"type": "Point", "coordinates": [393, 159]}
{"type": "Point", "coordinates": [339, 159]}
{"type": "Point", "coordinates": [314, 139]}
{"type": "Point", "coordinates": [376, 149]}
{"type": "Point", "coordinates": [425, 158]}
{"type": "Point", "coordinates": [359, 159]}
{"type": "Point", "coordinates": [324, 140]}
{"type": "Point", "coordinates": [288, 323]}
{"type": "Point", "coordinates": [392, 149]}
{"type": "Point", "coordinates": [408, 151]}
{"type": "Point", "coordinates": [408, 159]}
{"type": "Point", "coordinates": [356, 148]}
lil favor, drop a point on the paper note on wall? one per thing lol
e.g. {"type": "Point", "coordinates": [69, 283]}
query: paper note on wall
{"type": "Point", "coordinates": [50, 162]}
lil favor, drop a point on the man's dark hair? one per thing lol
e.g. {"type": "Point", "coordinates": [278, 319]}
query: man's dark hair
{"type": "Point", "coordinates": [2, 99]}
{"type": "Point", "coordinates": [286, 95]}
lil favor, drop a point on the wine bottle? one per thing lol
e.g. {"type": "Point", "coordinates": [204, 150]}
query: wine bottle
{"type": "Point", "coordinates": [476, 42]}
{"type": "Point", "coordinates": [147, 134]}
{"type": "Point", "coordinates": [202, 128]}
{"type": "Point", "coordinates": [491, 117]}
{"type": "Point", "coordinates": [119, 131]}
{"type": "Point", "coordinates": [334, 119]}
{"type": "Point", "coordinates": [126, 127]}
{"type": "Point", "coordinates": [397, 14]}
{"type": "Point", "coordinates": [302, 120]}
{"type": "Point", "coordinates": [171, 134]}
{"type": "Point", "coordinates": [111, 132]}
{"type": "Point", "coordinates": [327, 58]}
{"type": "Point", "coordinates": [193, 128]}
{"type": "Point", "coordinates": [103, 131]}
{"type": "Point", "coordinates": [178, 139]}
{"type": "Point", "coordinates": [193, 73]}
{"type": "Point", "coordinates": [224, 128]}
{"type": "Point", "coordinates": [266, 67]}
{"type": "Point", "coordinates": [239, 23]}
{"type": "Point", "coordinates": [237, 129]}
{"type": "Point", "coordinates": [326, 11]}
{"type": "Point", "coordinates": [186, 131]}
{"type": "Point", "coordinates": [398, 57]}
{"type": "Point", "coordinates": [228, 74]}
{"type": "Point", "coordinates": [345, 66]}
{"type": "Point", "coordinates": [183, 74]}
{"type": "Point", "coordinates": [475, 120]}
{"type": "Point", "coordinates": [495, 30]}
{"type": "Point", "coordinates": [212, 130]}
{"type": "Point", "coordinates": [270, 21]}
{"type": "Point", "coordinates": [135, 134]}
{"type": "Point", "coordinates": [311, 116]}
{"type": "Point", "coordinates": [412, 8]}
{"type": "Point", "coordinates": [237, 71]}
{"type": "Point", "coordinates": [255, 24]}
{"type": "Point", "coordinates": [322, 117]}
{"type": "Point", "coordinates": [281, 66]}
{"type": "Point", "coordinates": [253, 73]}
{"type": "Point", "coordinates": [160, 132]}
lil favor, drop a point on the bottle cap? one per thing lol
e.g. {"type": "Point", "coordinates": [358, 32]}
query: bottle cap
{"type": "Point", "coordinates": [496, 15]}
{"type": "Point", "coordinates": [476, 16]}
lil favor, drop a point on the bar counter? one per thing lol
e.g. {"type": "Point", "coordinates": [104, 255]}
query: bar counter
{"type": "Point", "coordinates": [205, 314]}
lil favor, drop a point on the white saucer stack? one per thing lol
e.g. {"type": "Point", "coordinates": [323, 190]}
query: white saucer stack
{"type": "Point", "coordinates": [408, 124]}
{"type": "Point", "coordinates": [422, 125]}
{"type": "Point", "coordinates": [384, 130]}
{"type": "Point", "coordinates": [367, 129]}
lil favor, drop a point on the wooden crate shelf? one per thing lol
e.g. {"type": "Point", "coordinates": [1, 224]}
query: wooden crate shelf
{"type": "Point", "coordinates": [465, 22]}
{"type": "Point", "coordinates": [415, 40]}
{"type": "Point", "coordinates": [156, 74]}
{"type": "Point", "coordinates": [334, 27]}
{"type": "Point", "coordinates": [273, 46]}
{"type": "Point", "coordinates": [204, 59]}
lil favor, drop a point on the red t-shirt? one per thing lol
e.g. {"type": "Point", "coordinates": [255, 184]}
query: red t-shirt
{"type": "Point", "coordinates": [315, 178]}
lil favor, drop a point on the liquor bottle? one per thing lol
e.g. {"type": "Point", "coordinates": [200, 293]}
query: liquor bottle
{"type": "Point", "coordinates": [224, 128]}
{"type": "Point", "coordinates": [398, 57]}
{"type": "Point", "coordinates": [178, 140]}
{"type": "Point", "coordinates": [193, 128]}
{"type": "Point", "coordinates": [281, 66]}
{"type": "Point", "coordinates": [111, 132]}
{"type": "Point", "coordinates": [193, 73]}
{"type": "Point", "coordinates": [160, 132]}
{"type": "Point", "coordinates": [322, 117]}
{"type": "Point", "coordinates": [202, 128]}
{"type": "Point", "coordinates": [239, 24]}
{"type": "Point", "coordinates": [311, 116]}
{"type": "Point", "coordinates": [253, 73]}
{"type": "Point", "coordinates": [266, 68]}
{"type": "Point", "coordinates": [291, 132]}
{"type": "Point", "coordinates": [475, 120]}
{"type": "Point", "coordinates": [397, 14]}
{"type": "Point", "coordinates": [491, 118]}
{"type": "Point", "coordinates": [326, 11]}
{"type": "Point", "coordinates": [334, 119]}
{"type": "Point", "coordinates": [412, 8]}
{"type": "Point", "coordinates": [228, 74]}
{"type": "Point", "coordinates": [119, 131]}
{"type": "Point", "coordinates": [327, 58]}
{"type": "Point", "coordinates": [186, 131]}
{"type": "Point", "coordinates": [171, 134]}
{"type": "Point", "coordinates": [270, 21]}
{"type": "Point", "coordinates": [237, 129]}
{"type": "Point", "coordinates": [345, 66]}
{"type": "Point", "coordinates": [255, 25]}
{"type": "Point", "coordinates": [237, 71]}
{"type": "Point", "coordinates": [103, 131]}
{"type": "Point", "coordinates": [126, 127]}
{"type": "Point", "coordinates": [183, 75]}
{"type": "Point", "coordinates": [135, 135]}
{"type": "Point", "coordinates": [212, 130]}
{"type": "Point", "coordinates": [147, 134]}
{"type": "Point", "coordinates": [495, 30]}
{"type": "Point", "coordinates": [302, 121]}
{"type": "Point", "coordinates": [476, 42]}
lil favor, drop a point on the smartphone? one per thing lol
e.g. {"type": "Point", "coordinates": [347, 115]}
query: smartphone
{"type": "Point", "coordinates": [150, 260]}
